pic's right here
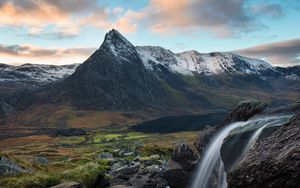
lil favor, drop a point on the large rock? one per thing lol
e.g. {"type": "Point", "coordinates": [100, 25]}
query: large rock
{"type": "Point", "coordinates": [8, 167]}
{"type": "Point", "coordinates": [273, 162]}
{"type": "Point", "coordinates": [242, 112]}
{"type": "Point", "coordinates": [136, 174]}
{"type": "Point", "coordinates": [180, 168]}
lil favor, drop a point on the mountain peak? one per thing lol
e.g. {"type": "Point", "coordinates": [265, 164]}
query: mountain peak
{"type": "Point", "coordinates": [116, 43]}
{"type": "Point", "coordinates": [114, 37]}
{"type": "Point", "coordinates": [114, 34]}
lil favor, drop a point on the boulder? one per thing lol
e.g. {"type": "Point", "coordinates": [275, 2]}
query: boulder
{"type": "Point", "coordinates": [179, 169]}
{"type": "Point", "coordinates": [126, 169]}
{"type": "Point", "coordinates": [8, 167]}
{"type": "Point", "coordinates": [105, 155]}
{"type": "Point", "coordinates": [41, 160]}
{"type": "Point", "coordinates": [272, 162]}
{"type": "Point", "coordinates": [242, 112]}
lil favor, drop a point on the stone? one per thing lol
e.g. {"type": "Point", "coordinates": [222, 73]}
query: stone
{"type": "Point", "coordinates": [127, 169]}
{"type": "Point", "coordinates": [105, 155]}
{"type": "Point", "coordinates": [8, 167]}
{"type": "Point", "coordinates": [41, 160]}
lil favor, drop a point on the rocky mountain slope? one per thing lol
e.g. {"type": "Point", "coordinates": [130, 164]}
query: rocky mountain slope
{"type": "Point", "coordinates": [113, 78]}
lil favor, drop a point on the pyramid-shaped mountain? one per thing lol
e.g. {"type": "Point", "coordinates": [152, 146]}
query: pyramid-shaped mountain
{"type": "Point", "coordinates": [113, 78]}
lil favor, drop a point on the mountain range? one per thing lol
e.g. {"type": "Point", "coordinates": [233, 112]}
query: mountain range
{"type": "Point", "coordinates": [122, 77]}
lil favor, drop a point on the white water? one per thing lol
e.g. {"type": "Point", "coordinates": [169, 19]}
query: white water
{"type": "Point", "coordinates": [211, 160]}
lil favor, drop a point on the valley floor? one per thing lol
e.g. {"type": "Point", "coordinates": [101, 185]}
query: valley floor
{"type": "Point", "coordinates": [69, 157]}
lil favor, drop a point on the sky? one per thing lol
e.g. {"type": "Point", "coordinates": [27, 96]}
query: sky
{"type": "Point", "coordinates": [69, 31]}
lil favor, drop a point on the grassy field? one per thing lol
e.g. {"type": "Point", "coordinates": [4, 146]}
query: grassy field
{"type": "Point", "coordinates": [75, 158]}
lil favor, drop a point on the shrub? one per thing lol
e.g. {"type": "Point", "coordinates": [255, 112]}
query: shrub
{"type": "Point", "coordinates": [86, 174]}
{"type": "Point", "coordinates": [155, 150]}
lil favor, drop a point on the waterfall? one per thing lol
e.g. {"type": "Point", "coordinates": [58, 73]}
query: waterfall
{"type": "Point", "coordinates": [211, 165]}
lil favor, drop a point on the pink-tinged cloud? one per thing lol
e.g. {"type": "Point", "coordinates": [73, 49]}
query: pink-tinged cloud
{"type": "Point", "coordinates": [221, 18]}
{"type": "Point", "coordinates": [66, 18]}
{"type": "Point", "coordinates": [20, 54]}
{"type": "Point", "coordinates": [283, 53]}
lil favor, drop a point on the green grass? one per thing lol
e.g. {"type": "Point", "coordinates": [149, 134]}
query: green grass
{"type": "Point", "coordinates": [84, 171]}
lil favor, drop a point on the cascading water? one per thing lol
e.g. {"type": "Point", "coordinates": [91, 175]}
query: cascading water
{"type": "Point", "coordinates": [211, 165]}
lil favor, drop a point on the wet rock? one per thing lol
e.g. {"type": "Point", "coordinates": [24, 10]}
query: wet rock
{"type": "Point", "coordinates": [242, 112]}
{"type": "Point", "coordinates": [272, 162]}
{"type": "Point", "coordinates": [8, 167]}
{"type": "Point", "coordinates": [68, 185]}
{"type": "Point", "coordinates": [41, 160]}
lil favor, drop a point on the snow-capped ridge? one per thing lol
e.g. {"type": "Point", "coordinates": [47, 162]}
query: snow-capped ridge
{"type": "Point", "coordinates": [35, 72]}
{"type": "Point", "coordinates": [191, 62]}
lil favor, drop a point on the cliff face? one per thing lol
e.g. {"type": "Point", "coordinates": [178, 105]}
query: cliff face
{"type": "Point", "coordinates": [273, 162]}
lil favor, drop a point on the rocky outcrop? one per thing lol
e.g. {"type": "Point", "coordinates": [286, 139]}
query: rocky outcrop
{"type": "Point", "coordinates": [180, 168]}
{"type": "Point", "coordinates": [137, 173]}
{"type": "Point", "coordinates": [273, 162]}
{"type": "Point", "coordinates": [8, 167]}
{"type": "Point", "coordinates": [242, 112]}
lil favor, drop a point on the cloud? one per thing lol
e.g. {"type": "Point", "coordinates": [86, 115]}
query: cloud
{"type": "Point", "coordinates": [56, 19]}
{"type": "Point", "coordinates": [272, 10]}
{"type": "Point", "coordinates": [34, 54]}
{"type": "Point", "coordinates": [222, 18]}
{"type": "Point", "coordinates": [283, 53]}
